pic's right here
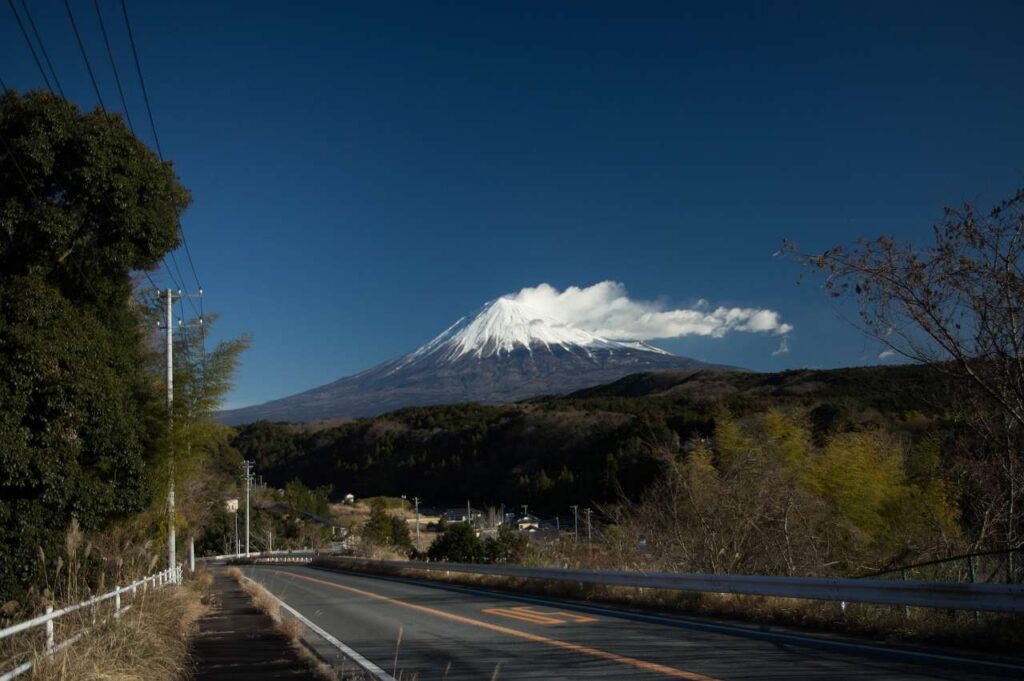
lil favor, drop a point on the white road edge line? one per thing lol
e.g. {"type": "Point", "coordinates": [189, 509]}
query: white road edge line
{"type": "Point", "coordinates": [351, 654]}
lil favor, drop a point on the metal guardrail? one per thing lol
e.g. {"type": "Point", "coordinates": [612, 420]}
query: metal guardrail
{"type": "Point", "coordinates": [260, 554]}
{"type": "Point", "coordinates": [157, 580]}
{"type": "Point", "coordinates": [942, 595]}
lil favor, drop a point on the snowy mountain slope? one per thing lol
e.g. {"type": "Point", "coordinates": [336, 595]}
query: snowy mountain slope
{"type": "Point", "coordinates": [504, 352]}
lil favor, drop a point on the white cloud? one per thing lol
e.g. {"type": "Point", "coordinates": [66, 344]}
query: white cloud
{"type": "Point", "coordinates": [783, 347]}
{"type": "Point", "coordinates": [886, 354]}
{"type": "Point", "coordinates": [607, 310]}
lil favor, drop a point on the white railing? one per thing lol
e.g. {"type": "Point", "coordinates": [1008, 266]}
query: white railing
{"type": "Point", "coordinates": [944, 595]}
{"type": "Point", "coordinates": [46, 621]}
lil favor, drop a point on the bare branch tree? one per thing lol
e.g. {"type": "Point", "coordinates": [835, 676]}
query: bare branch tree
{"type": "Point", "coordinates": [957, 306]}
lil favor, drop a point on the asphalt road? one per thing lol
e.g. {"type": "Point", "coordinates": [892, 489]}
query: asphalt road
{"type": "Point", "coordinates": [429, 631]}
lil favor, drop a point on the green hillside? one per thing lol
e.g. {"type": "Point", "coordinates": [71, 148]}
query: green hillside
{"type": "Point", "coordinates": [593, 446]}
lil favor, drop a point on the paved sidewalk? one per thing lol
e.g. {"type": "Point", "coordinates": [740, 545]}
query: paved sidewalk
{"type": "Point", "coordinates": [236, 641]}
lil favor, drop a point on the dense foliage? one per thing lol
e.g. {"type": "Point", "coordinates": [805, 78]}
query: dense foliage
{"type": "Point", "coordinates": [82, 205]}
{"type": "Point", "coordinates": [760, 496]}
{"type": "Point", "coordinates": [457, 544]}
{"type": "Point", "coordinates": [460, 543]}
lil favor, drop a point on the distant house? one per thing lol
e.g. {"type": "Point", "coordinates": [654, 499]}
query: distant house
{"type": "Point", "coordinates": [459, 515]}
{"type": "Point", "coordinates": [528, 523]}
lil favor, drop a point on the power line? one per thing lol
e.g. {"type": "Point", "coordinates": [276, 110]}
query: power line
{"type": "Point", "coordinates": [85, 56]}
{"type": "Point", "coordinates": [151, 282]}
{"type": "Point", "coordinates": [156, 138]}
{"type": "Point", "coordinates": [42, 46]}
{"type": "Point", "coordinates": [31, 47]}
{"type": "Point", "coordinates": [188, 255]}
{"type": "Point", "coordinates": [113, 65]}
{"type": "Point", "coordinates": [142, 81]}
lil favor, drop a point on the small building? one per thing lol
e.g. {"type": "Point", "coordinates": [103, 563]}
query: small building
{"type": "Point", "coordinates": [528, 523]}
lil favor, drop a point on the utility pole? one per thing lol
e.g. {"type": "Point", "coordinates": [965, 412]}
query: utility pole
{"type": "Point", "coordinates": [238, 549]}
{"type": "Point", "coordinates": [575, 522]}
{"type": "Point", "coordinates": [416, 502]}
{"type": "Point", "coordinates": [169, 322]}
{"type": "Point", "coordinates": [469, 514]}
{"type": "Point", "coordinates": [247, 467]}
{"type": "Point", "coordinates": [589, 544]}
{"type": "Point", "coordinates": [169, 296]}
{"type": "Point", "coordinates": [525, 507]}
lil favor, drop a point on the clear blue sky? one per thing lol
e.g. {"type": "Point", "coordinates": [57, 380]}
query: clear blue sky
{"type": "Point", "coordinates": [363, 175]}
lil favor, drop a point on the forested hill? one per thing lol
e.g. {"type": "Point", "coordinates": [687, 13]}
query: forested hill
{"type": "Point", "coordinates": [592, 446]}
{"type": "Point", "coordinates": [892, 388]}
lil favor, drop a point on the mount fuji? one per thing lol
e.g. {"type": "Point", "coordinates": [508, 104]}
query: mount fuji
{"type": "Point", "coordinates": [505, 352]}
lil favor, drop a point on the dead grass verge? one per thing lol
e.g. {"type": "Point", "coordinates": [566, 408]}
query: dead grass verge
{"type": "Point", "coordinates": [289, 627]}
{"type": "Point", "coordinates": [149, 642]}
{"type": "Point", "coordinates": [989, 633]}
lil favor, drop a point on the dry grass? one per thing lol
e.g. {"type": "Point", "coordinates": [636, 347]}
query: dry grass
{"type": "Point", "coordinates": [149, 642]}
{"type": "Point", "coordinates": [989, 633]}
{"type": "Point", "coordinates": [289, 627]}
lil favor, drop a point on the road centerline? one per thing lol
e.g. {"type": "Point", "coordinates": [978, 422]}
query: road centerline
{"type": "Point", "coordinates": [644, 665]}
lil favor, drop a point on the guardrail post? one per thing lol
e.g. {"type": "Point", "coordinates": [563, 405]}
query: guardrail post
{"type": "Point", "coordinates": [906, 608]}
{"type": "Point", "coordinates": [972, 574]}
{"type": "Point", "coordinates": [49, 630]}
{"type": "Point", "coordinates": [117, 602]}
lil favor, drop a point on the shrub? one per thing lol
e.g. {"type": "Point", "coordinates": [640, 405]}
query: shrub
{"type": "Point", "coordinates": [508, 547]}
{"type": "Point", "coordinates": [458, 544]}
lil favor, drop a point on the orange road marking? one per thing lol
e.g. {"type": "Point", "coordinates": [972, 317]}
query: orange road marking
{"type": "Point", "coordinates": [570, 616]}
{"type": "Point", "coordinates": [532, 617]}
{"type": "Point", "coordinates": [528, 614]}
{"type": "Point", "coordinates": [553, 642]}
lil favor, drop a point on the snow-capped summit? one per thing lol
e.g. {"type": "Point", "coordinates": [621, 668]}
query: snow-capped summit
{"type": "Point", "coordinates": [503, 326]}
{"type": "Point", "coordinates": [504, 352]}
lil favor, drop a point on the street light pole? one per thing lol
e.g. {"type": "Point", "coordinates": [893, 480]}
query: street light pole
{"type": "Point", "coordinates": [247, 467]}
{"type": "Point", "coordinates": [575, 522]}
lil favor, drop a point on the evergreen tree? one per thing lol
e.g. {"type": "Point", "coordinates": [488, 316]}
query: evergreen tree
{"type": "Point", "coordinates": [83, 204]}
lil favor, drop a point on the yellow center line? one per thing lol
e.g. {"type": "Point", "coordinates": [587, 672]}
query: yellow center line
{"type": "Point", "coordinates": [555, 643]}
